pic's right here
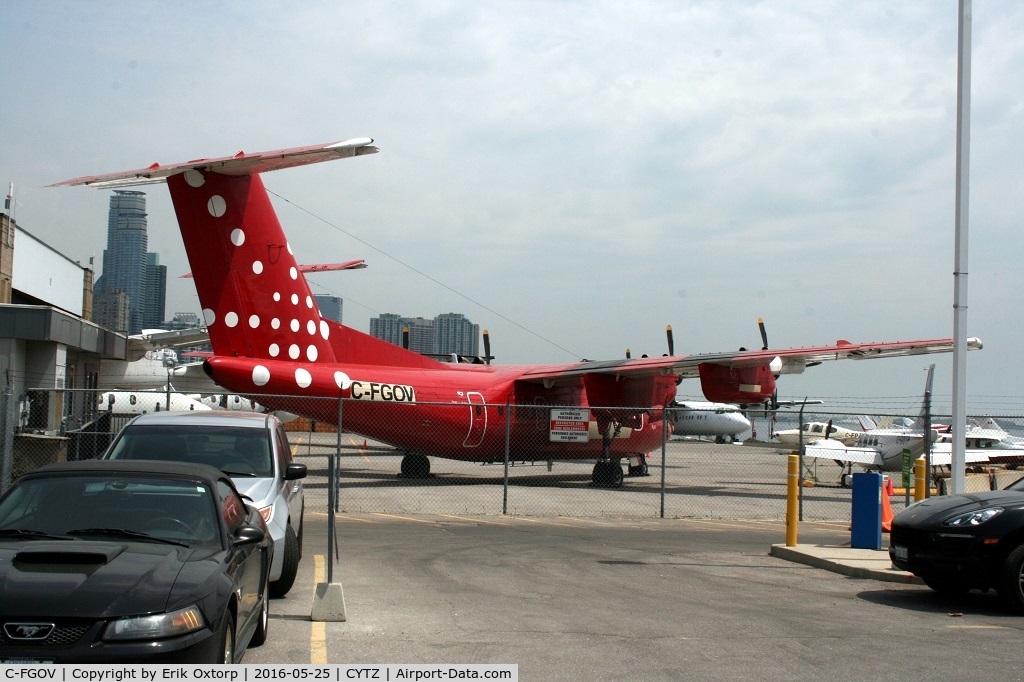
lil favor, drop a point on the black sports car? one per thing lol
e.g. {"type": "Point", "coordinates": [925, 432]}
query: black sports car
{"type": "Point", "coordinates": [959, 542]}
{"type": "Point", "coordinates": [130, 561]}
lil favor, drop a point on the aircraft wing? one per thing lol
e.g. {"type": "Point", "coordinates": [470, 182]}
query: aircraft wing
{"type": "Point", "coordinates": [793, 360]}
{"type": "Point", "coordinates": [942, 454]}
{"type": "Point", "coordinates": [836, 451]}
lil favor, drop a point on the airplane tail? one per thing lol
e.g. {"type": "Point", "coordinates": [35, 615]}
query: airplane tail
{"type": "Point", "coordinates": [255, 298]}
{"type": "Point", "coordinates": [866, 423]}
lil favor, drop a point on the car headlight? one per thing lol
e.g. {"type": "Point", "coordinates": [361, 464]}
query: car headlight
{"type": "Point", "coordinates": [974, 518]}
{"type": "Point", "coordinates": [157, 626]}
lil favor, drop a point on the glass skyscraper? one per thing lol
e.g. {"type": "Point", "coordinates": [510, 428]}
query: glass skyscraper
{"type": "Point", "coordinates": [128, 268]}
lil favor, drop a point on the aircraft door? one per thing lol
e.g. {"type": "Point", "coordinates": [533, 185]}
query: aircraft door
{"type": "Point", "coordinates": [477, 420]}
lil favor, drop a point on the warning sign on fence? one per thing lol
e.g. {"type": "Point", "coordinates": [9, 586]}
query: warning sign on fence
{"type": "Point", "coordinates": [569, 425]}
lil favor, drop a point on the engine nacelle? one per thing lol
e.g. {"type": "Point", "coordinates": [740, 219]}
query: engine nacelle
{"type": "Point", "coordinates": [743, 385]}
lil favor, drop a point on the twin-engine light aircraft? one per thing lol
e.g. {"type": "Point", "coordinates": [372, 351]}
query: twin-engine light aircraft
{"type": "Point", "coordinates": [722, 421]}
{"type": "Point", "coordinates": [269, 339]}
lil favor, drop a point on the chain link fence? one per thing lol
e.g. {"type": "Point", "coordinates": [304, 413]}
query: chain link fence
{"type": "Point", "coordinates": [479, 459]}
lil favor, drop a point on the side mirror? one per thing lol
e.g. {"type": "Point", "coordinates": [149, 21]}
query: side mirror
{"type": "Point", "coordinates": [247, 535]}
{"type": "Point", "coordinates": [295, 472]}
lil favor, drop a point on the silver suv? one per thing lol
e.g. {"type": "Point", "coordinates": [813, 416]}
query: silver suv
{"type": "Point", "coordinates": [250, 448]}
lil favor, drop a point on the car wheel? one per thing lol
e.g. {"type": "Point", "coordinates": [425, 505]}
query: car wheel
{"type": "Point", "coordinates": [289, 566]}
{"type": "Point", "coordinates": [1011, 580]}
{"type": "Point", "coordinates": [260, 635]}
{"type": "Point", "coordinates": [947, 586]}
{"type": "Point", "coordinates": [227, 638]}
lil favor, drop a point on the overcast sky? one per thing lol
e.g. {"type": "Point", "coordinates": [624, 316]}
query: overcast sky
{"type": "Point", "coordinates": [572, 176]}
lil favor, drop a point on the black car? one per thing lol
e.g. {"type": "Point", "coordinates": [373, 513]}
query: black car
{"type": "Point", "coordinates": [959, 542]}
{"type": "Point", "coordinates": [130, 562]}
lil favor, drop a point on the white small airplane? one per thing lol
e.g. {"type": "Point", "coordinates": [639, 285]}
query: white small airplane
{"type": "Point", "coordinates": [141, 402]}
{"type": "Point", "coordinates": [815, 431]}
{"type": "Point", "coordinates": [152, 360]}
{"type": "Point", "coordinates": [724, 421]}
{"type": "Point", "coordinates": [883, 449]}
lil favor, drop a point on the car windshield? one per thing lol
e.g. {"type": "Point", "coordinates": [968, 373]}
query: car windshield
{"type": "Point", "coordinates": [237, 451]}
{"type": "Point", "coordinates": [142, 507]}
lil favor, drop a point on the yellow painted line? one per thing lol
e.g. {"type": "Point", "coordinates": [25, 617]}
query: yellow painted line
{"type": "Point", "coordinates": [353, 518]}
{"type": "Point", "coordinates": [402, 518]}
{"type": "Point", "coordinates": [714, 523]}
{"type": "Point", "coordinates": [590, 521]}
{"type": "Point", "coordinates": [361, 450]}
{"type": "Point", "coordinates": [977, 627]}
{"type": "Point", "coordinates": [544, 523]}
{"type": "Point", "coordinates": [318, 633]}
{"type": "Point", "coordinates": [466, 518]}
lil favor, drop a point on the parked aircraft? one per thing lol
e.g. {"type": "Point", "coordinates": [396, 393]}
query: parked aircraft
{"type": "Point", "coordinates": [696, 418]}
{"type": "Point", "coordinates": [269, 339]}
{"type": "Point", "coordinates": [883, 449]}
{"type": "Point", "coordinates": [152, 360]}
{"type": "Point", "coordinates": [141, 402]}
{"type": "Point", "coordinates": [815, 431]}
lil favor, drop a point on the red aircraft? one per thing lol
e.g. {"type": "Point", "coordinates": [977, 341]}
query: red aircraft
{"type": "Point", "coordinates": [269, 339]}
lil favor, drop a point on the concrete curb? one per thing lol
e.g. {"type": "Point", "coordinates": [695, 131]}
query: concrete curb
{"type": "Point", "coordinates": [856, 563]}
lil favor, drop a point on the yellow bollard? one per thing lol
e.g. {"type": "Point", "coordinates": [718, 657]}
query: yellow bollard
{"type": "Point", "coordinates": [920, 479]}
{"type": "Point", "coordinates": [792, 501]}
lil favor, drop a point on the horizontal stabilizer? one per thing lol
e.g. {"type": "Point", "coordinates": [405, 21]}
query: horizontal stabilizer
{"type": "Point", "coordinates": [239, 164]}
{"type": "Point", "coordinates": [326, 267]}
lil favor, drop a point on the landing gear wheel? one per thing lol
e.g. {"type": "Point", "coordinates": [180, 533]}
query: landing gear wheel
{"type": "Point", "coordinates": [415, 466]}
{"type": "Point", "coordinates": [607, 474]}
{"type": "Point", "coordinates": [639, 470]}
{"type": "Point", "coordinates": [1011, 580]}
{"type": "Point", "coordinates": [290, 565]}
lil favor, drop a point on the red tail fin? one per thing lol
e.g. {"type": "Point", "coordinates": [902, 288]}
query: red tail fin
{"type": "Point", "coordinates": [255, 302]}
{"type": "Point", "coordinates": [255, 298]}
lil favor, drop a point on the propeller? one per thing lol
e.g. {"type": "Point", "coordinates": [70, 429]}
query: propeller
{"type": "Point", "coordinates": [776, 364]}
{"type": "Point", "coordinates": [487, 348]}
{"type": "Point", "coordinates": [405, 338]}
{"type": "Point", "coordinates": [628, 356]}
{"type": "Point", "coordinates": [671, 343]}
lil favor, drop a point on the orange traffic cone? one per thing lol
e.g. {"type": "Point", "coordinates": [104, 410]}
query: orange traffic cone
{"type": "Point", "coordinates": [886, 506]}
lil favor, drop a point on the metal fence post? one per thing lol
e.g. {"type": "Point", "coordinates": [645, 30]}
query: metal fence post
{"type": "Point", "coordinates": [508, 427]}
{"type": "Point", "coordinates": [664, 450]}
{"type": "Point", "coordinates": [332, 498]}
{"type": "Point", "coordinates": [800, 451]}
{"type": "Point", "coordinates": [7, 404]}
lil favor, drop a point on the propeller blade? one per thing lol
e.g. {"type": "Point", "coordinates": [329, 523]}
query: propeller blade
{"type": "Point", "coordinates": [627, 354]}
{"type": "Point", "coordinates": [405, 338]}
{"type": "Point", "coordinates": [487, 348]}
{"type": "Point", "coordinates": [671, 343]}
{"type": "Point", "coordinates": [764, 334]}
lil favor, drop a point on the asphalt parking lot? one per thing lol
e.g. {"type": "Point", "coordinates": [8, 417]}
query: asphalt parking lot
{"type": "Point", "coordinates": [599, 598]}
